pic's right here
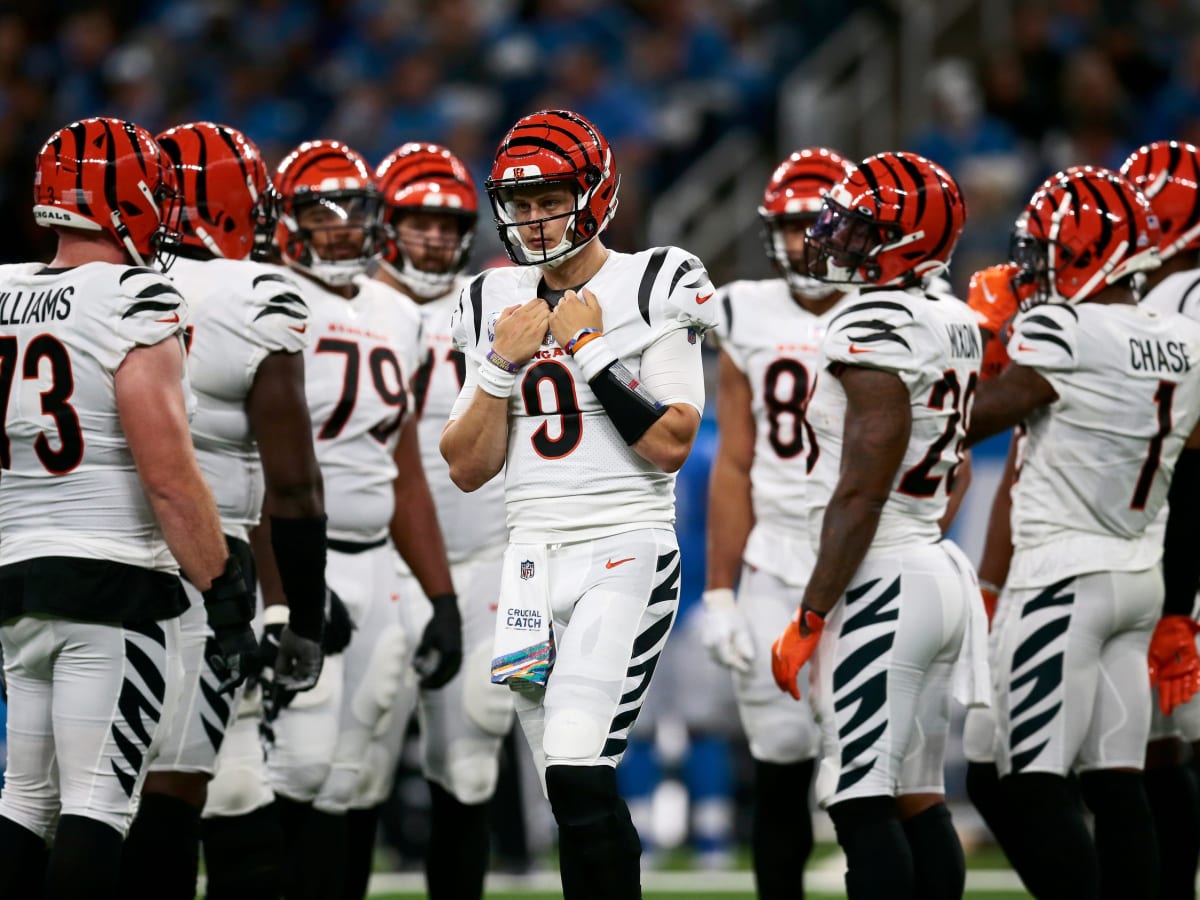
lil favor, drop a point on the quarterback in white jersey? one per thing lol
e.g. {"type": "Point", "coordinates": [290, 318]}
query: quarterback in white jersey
{"type": "Point", "coordinates": [430, 208]}
{"type": "Point", "coordinates": [246, 328]}
{"type": "Point", "coordinates": [590, 403]}
{"type": "Point", "coordinates": [101, 505]}
{"type": "Point", "coordinates": [889, 605]}
{"type": "Point", "coordinates": [366, 345]}
{"type": "Point", "coordinates": [1108, 392]}
{"type": "Point", "coordinates": [770, 335]}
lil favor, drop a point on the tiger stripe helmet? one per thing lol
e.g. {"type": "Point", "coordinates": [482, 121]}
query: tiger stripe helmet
{"type": "Point", "coordinates": [1085, 228]}
{"type": "Point", "coordinates": [425, 178]}
{"type": "Point", "coordinates": [331, 175]}
{"type": "Point", "coordinates": [554, 146]}
{"type": "Point", "coordinates": [893, 221]}
{"type": "Point", "coordinates": [225, 189]}
{"type": "Point", "coordinates": [1168, 175]}
{"type": "Point", "coordinates": [795, 192]}
{"type": "Point", "coordinates": [104, 174]}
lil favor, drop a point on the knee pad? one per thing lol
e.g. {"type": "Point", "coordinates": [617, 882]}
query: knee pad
{"type": "Point", "coordinates": [339, 789]}
{"type": "Point", "coordinates": [489, 706]}
{"type": "Point", "coordinates": [574, 734]}
{"type": "Point", "coordinates": [471, 777]}
{"type": "Point", "coordinates": [780, 734]}
{"type": "Point", "coordinates": [237, 791]}
{"type": "Point", "coordinates": [301, 781]}
{"type": "Point", "coordinates": [979, 735]}
{"type": "Point", "coordinates": [376, 778]}
{"type": "Point", "coordinates": [380, 687]}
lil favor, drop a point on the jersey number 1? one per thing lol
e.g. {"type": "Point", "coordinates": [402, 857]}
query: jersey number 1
{"type": "Point", "coordinates": [1162, 398]}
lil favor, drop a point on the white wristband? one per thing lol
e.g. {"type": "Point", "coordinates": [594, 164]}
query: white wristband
{"type": "Point", "coordinates": [276, 614]}
{"type": "Point", "coordinates": [495, 381]}
{"type": "Point", "coordinates": [719, 598]}
{"type": "Point", "coordinates": [594, 357]}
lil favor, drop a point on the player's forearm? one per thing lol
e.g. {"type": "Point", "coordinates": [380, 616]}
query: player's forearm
{"type": "Point", "coordinates": [730, 518]}
{"type": "Point", "coordinates": [475, 445]}
{"type": "Point", "coordinates": [846, 534]}
{"type": "Point", "coordinates": [997, 544]}
{"type": "Point", "coordinates": [265, 567]}
{"type": "Point", "coordinates": [187, 515]}
{"type": "Point", "coordinates": [667, 443]}
{"type": "Point", "coordinates": [418, 537]}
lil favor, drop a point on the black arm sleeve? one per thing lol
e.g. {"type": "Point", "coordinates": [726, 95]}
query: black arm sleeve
{"type": "Point", "coordinates": [1181, 551]}
{"type": "Point", "coordinates": [629, 406]}
{"type": "Point", "coordinates": [299, 547]}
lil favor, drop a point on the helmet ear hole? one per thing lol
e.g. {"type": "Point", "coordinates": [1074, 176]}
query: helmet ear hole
{"type": "Point", "coordinates": [592, 176]}
{"type": "Point", "coordinates": [586, 225]}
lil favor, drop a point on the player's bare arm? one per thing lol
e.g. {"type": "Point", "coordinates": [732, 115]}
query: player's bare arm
{"type": "Point", "coordinates": [475, 444]}
{"type": "Point", "coordinates": [1006, 400]}
{"type": "Point", "coordinates": [150, 401]}
{"type": "Point", "coordinates": [875, 436]}
{"type": "Point", "coordinates": [414, 527]}
{"type": "Point", "coordinates": [278, 413]}
{"type": "Point", "coordinates": [997, 544]}
{"type": "Point", "coordinates": [962, 481]}
{"type": "Point", "coordinates": [730, 511]}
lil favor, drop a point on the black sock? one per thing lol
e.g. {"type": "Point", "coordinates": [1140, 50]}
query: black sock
{"type": "Point", "coordinates": [162, 850]}
{"type": "Point", "coordinates": [22, 862]}
{"type": "Point", "coordinates": [983, 789]}
{"type": "Point", "coordinates": [85, 863]}
{"type": "Point", "coordinates": [599, 852]}
{"type": "Point", "coordinates": [781, 829]}
{"type": "Point", "coordinates": [879, 864]}
{"type": "Point", "coordinates": [1051, 848]}
{"type": "Point", "coordinates": [1175, 805]}
{"type": "Point", "coordinates": [939, 869]}
{"type": "Point", "coordinates": [243, 855]}
{"type": "Point", "coordinates": [315, 865]}
{"type": "Point", "coordinates": [457, 857]}
{"type": "Point", "coordinates": [361, 828]}
{"type": "Point", "coordinates": [1124, 829]}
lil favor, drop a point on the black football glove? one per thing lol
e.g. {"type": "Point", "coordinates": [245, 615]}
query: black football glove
{"type": "Point", "coordinates": [233, 653]}
{"type": "Point", "coordinates": [439, 654]}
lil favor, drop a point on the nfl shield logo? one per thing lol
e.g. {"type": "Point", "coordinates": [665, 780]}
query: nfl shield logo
{"type": "Point", "coordinates": [526, 569]}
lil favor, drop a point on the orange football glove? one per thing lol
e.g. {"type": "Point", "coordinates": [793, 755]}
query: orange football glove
{"type": "Point", "coordinates": [992, 296]}
{"type": "Point", "coordinates": [995, 356]}
{"type": "Point", "coordinates": [1174, 662]}
{"type": "Point", "coordinates": [990, 597]}
{"type": "Point", "coordinates": [793, 648]}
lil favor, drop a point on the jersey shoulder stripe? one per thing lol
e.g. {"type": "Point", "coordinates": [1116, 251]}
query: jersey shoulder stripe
{"type": "Point", "coordinates": [134, 271]}
{"type": "Point", "coordinates": [688, 265]}
{"type": "Point", "coordinates": [285, 304]}
{"type": "Point", "coordinates": [873, 329]}
{"type": "Point", "coordinates": [1187, 295]}
{"type": "Point", "coordinates": [476, 294]}
{"type": "Point", "coordinates": [144, 301]}
{"type": "Point", "coordinates": [657, 257]}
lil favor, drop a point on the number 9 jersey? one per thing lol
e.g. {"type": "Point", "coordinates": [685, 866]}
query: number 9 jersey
{"type": "Point", "coordinates": [569, 475]}
{"type": "Point", "coordinates": [931, 342]}
{"type": "Point", "coordinates": [70, 484]}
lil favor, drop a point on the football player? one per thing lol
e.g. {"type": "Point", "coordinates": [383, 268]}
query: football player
{"type": "Point", "coordinates": [430, 208]}
{"type": "Point", "coordinates": [365, 348]}
{"type": "Point", "coordinates": [584, 383]}
{"type": "Point", "coordinates": [1084, 590]}
{"type": "Point", "coordinates": [1166, 172]}
{"type": "Point", "coordinates": [102, 504]}
{"type": "Point", "coordinates": [896, 603]}
{"type": "Point", "coordinates": [246, 332]}
{"type": "Point", "coordinates": [770, 335]}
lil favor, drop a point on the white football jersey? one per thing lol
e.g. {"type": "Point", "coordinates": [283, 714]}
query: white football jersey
{"type": "Point", "coordinates": [69, 486]}
{"type": "Point", "coordinates": [1098, 461]}
{"type": "Point", "coordinates": [603, 487]}
{"type": "Point", "coordinates": [776, 343]}
{"type": "Point", "coordinates": [932, 343]}
{"type": "Point", "coordinates": [1178, 293]}
{"type": "Point", "coordinates": [470, 522]}
{"type": "Point", "coordinates": [239, 311]}
{"type": "Point", "coordinates": [357, 371]}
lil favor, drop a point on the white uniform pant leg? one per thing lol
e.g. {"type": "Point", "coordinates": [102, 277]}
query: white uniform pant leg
{"type": "Point", "coordinates": [779, 729]}
{"type": "Point", "coordinates": [882, 676]}
{"type": "Point", "coordinates": [240, 784]}
{"type": "Point", "coordinates": [86, 711]}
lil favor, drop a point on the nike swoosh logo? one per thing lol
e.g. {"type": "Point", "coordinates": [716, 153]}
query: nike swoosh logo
{"type": "Point", "coordinates": [174, 317]}
{"type": "Point", "coordinates": [854, 349]}
{"type": "Point", "coordinates": [613, 563]}
{"type": "Point", "coordinates": [705, 298]}
{"type": "Point", "coordinates": [1025, 347]}
{"type": "Point", "coordinates": [299, 329]}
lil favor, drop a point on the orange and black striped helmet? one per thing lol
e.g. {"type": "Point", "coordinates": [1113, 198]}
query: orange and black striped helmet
{"type": "Point", "coordinates": [795, 192]}
{"type": "Point", "coordinates": [425, 178]}
{"type": "Point", "coordinates": [110, 175]}
{"type": "Point", "coordinates": [893, 221]}
{"type": "Point", "coordinates": [554, 147]}
{"type": "Point", "coordinates": [335, 178]}
{"type": "Point", "coordinates": [1085, 228]}
{"type": "Point", "coordinates": [1168, 175]}
{"type": "Point", "coordinates": [224, 187]}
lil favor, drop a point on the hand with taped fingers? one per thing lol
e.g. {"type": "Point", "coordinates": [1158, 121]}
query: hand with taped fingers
{"type": "Point", "coordinates": [520, 331]}
{"type": "Point", "coordinates": [573, 313]}
{"type": "Point", "coordinates": [1174, 662]}
{"type": "Point", "coordinates": [795, 647]}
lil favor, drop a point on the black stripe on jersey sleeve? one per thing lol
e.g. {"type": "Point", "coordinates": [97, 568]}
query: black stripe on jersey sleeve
{"type": "Point", "coordinates": [727, 305]}
{"type": "Point", "coordinates": [688, 265]}
{"type": "Point", "coordinates": [1188, 293]}
{"type": "Point", "coordinates": [157, 290]}
{"type": "Point", "coordinates": [878, 331]}
{"type": "Point", "coordinates": [270, 276]}
{"type": "Point", "coordinates": [866, 305]}
{"type": "Point", "coordinates": [653, 267]}
{"type": "Point", "coordinates": [137, 270]}
{"type": "Point", "coordinates": [1039, 319]}
{"type": "Point", "coordinates": [1049, 338]}
{"type": "Point", "coordinates": [150, 306]}
{"type": "Point", "coordinates": [282, 305]}
{"type": "Point", "coordinates": [477, 303]}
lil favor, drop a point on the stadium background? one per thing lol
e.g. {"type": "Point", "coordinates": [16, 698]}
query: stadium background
{"type": "Point", "coordinates": [699, 99]}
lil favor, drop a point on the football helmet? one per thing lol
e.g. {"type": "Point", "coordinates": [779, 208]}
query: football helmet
{"type": "Point", "coordinates": [329, 184]}
{"type": "Point", "coordinates": [795, 193]}
{"type": "Point", "coordinates": [1168, 175]}
{"type": "Point", "coordinates": [893, 221]}
{"type": "Point", "coordinates": [225, 189]}
{"type": "Point", "coordinates": [425, 178]}
{"type": "Point", "coordinates": [554, 147]}
{"type": "Point", "coordinates": [1084, 229]}
{"type": "Point", "coordinates": [105, 174]}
